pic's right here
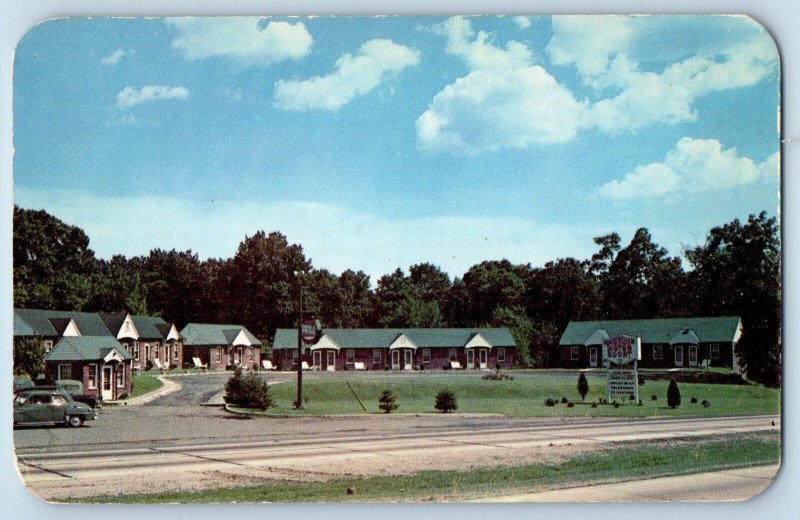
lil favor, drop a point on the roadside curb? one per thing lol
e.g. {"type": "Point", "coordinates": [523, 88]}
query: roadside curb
{"type": "Point", "coordinates": [167, 387]}
{"type": "Point", "coordinates": [368, 415]}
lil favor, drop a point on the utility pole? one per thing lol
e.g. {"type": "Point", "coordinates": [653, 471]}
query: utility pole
{"type": "Point", "coordinates": [299, 403]}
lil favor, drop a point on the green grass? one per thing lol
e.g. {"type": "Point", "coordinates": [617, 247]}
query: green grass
{"type": "Point", "coordinates": [141, 385]}
{"type": "Point", "coordinates": [645, 459]}
{"type": "Point", "coordinates": [522, 397]}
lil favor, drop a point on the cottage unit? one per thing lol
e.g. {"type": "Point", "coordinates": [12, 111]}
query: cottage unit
{"type": "Point", "coordinates": [151, 341]}
{"type": "Point", "coordinates": [397, 349]}
{"type": "Point", "coordinates": [100, 362]}
{"type": "Point", "coordinates": [666, 343]}
{"type": "Point", "coordinates": [221, 346]}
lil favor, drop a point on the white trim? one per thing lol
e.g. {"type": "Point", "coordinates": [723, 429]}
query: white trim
{"type": "Point", "coordinates": [478, 341]}
{"type": "Point", "coordinates": [129, 331]}
{"type": "Point", "coordinates": [678, 348]}
{"type": "Point", "coordinates": [380, 355]}
{"type": "Point", "coordinates": [501, 354]}
{"type": "Point", "coordinates": [350, 355]}
{"type": "Point", "coordinates": [120, 380]}
{"type": "Point", "coordinates": [94, 377]}
{"type": "Point", "coordinates": [59, 374]}
{"type": "Point", "coordinates": [113, 356]}
{"type": "Point", "coordinates": [574, 353]}
{"type": "Point", "coordinates": [173, 334]}
{"type": "Point", "coordinates": [402, 341]}
{"type": "Point", "coordinates": [325, 342]}
{"type": "Point", "coordinates": [660, 351]}
{"type": "Point", "coordinates": [711, 351]}
{"type": "Point", "coordinates": [241, 339]}
{"type": "Point", "coordinates": [71, 330]}
{"type": "Point", "coordinates": [426, 353]}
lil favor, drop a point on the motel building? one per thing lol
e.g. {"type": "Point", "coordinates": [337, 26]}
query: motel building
{"type": "Point", "coordinates": [666, 343]}
{"type": "Point", "coordinates": [397, 349]}
{"type": "Point", "coordinates": [218, 346]}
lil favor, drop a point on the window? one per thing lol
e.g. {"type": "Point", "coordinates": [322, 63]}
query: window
{"type": "Point", "coordinates": [426, 355]}
{"type": "Point", "coordinates": [65, 371]}
{"type": "Point", "coordinates": [715, 351]}
{"type": "Point", "coordinates": [58, 400]}
{"type": "Point", "coordinates": [48, 345]}
{"type": "Point", "coordinates": [219, 354]}
{"type": "Point", "coordinates": [376, 355]}
{"type": "Point", "coordinates": [350, 356]}
{"type": "Point", "coordinates": [92, 382]}
{"type": "Point", "coordinates": [501, 354]}
{"type": "Point", "coordinates": [250, 355]}
{"type": "Point", "coordinates": [120, 376]}
{"type": "Point", "coordinates": [175, 351]}
{"type": "Point", "coordinates": [136, 350]}
{"type": "Point", "coordinates": [156, 350]}
{"type": "Point", "coordinates": [294, 355]}
{"type": "Point", "coordinates": [658, 352]}
{"type": "Point", "coordinates": [453, 354]}
{"type": "Point", "coordinates": [574, 354]}
{"type": "Point", "coordinates": [126, 346]}
{"type": "Point", "coordinates": [679, 356]}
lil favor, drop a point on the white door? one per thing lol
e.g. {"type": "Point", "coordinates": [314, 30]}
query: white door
{"type": "Point", "coordinates": [483, 356]}
{"type": "Point", "coordinates": [409, 360]}
{"type": "Point", "coordinates": [107, 385]}
{"type": "Point", "coordinates": [470, 358]}
{"type": "Point", "coordinates": [679, 356]}
{"type": "Point", "coordinates": [592, 356]}
{"type": "Point", "coordinates": [331, 361]}
{"type": "Point", "coordinates": [395, 360]}
{"type": "Point", "coordinates": [317, 360]}
{"type": "Point", "coordinates": [692, 355]}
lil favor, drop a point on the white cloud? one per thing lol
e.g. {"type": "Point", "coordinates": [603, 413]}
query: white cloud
{"type": "Point", "coordinates": [129, 96]}
{"type": "Point", "coordinates": [247, 40]}
{"type": "Point", "coordinates": [334, 237]}
{"type": "Point", "coordinates": [114, 57]}
{"type": "Point", "coordinates": [600, 49]}
{"type": "Point", "coordinates": [505, 101]}
{"type": "Point", "coordinates": [375, 61]}
{"type": "Point", "coordinates": [694, 165]}
{"type": "Point", "coordinates": [523, 22]}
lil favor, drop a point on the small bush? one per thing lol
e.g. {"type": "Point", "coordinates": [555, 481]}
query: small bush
{"type": "Point", "coordinates": [446, 401]}
{"type": "Point", "coordinates": [673, 394]}
{"type": "Point", "coordinates": [570, 404]}
{"type": "Point", "coordinates": [254, 367]}
{"type": "Point", "coordinates": [497, 366]}
{"type": "Point", "coordinates": [446, 367]}
{"type": "Point", "coordinates": [249, 391]}
{"type": "Point", "coordinates": [421, 367]}
{"type": "Point", "coordinates": [693, 400]}
{"type": "Point", "coordinates": [631, 397]}
{"type": "Point", "coordinates": [497, 376]}
{"type": "Point", "coordinates": [583, 386]}
{"type": "Point", "coordinates": [706, 404]}
{"type": "Point", "coordinates": [594, 405]}
{"type": "Point", "coordinates": [654, 397]}
{"type": "Point", "coordinates": [640, 403]}
{"type": "Point", "coordinates": [148, 365]}
{"type": "Point", "coordinates": [641, 380]}
{"type": "Point", "coordinates": [616, 404]}
{"type": "Point", "coordinates": [564, 400]}
{"type": "Point", "coordinates": [387, 402]}
{"type": "Point", "coordinates": [550, 402]}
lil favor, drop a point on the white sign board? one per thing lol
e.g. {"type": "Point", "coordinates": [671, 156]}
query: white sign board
{"type": "Point", "coordinates": [621, 350]}
{"type": "Point", "coordinates": [622, 383]}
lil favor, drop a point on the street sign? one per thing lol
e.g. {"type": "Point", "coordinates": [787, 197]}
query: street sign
{"type": "Point", "coordinates": [620, 354]}
{"type": "Point", "coordinates": [308, 330]}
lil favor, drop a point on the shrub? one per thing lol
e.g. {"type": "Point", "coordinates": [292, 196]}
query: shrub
{"type": "Point", "coordinates": [248, 391]}
{"type": "Point", "coordinates": [446, 367]}
{"type": "Point", "coordinates": [496, 376]}
{"type": "Point", "coordinates": [705, 403]}
{"type": "Point", "coordinates": [446, 401]}
{"type": "Point", "coordinates": [693, 400]}
{"type": "Point", "coordinates": [631, 397]}
{"type": "Point", "coordinates": [497, 366]}
{"type": "Point", "coordinates": [654, 397]}
{"type": "Point", "coordinates": [564, 400]}
{"type": "Point", "coordinates": [255, 367]}
{"type": "Point", "coordinates": [583, 386]}
{"type": "Point", "coordinates": [616, 404]}
{"type": "Point", "coordinates": [673, 394]}
{"type": "Point", "coordinates": [550, 402]}
{"type": "Point", "coordinates": [570, 404]}
{"type": "Point", "coordinates": [387, 402]}
{"type": "Point", "coordinates": [148, 365]}
{"type": "Point", "coordinates": [594, 405]}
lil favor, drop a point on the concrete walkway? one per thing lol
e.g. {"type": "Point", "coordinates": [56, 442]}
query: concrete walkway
{"type": "Point", "coordinates": [721, 486]}
{"type": "Point", "coordinates": [168, 386]}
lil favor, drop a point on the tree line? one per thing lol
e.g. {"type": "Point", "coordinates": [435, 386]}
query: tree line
{"type": "Point", "coordinates": [735, 272]}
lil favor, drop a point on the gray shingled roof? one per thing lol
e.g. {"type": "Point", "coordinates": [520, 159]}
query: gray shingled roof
{"type": "Point", "coordinates": [21, 328]}
{"type": "Point", "coordinates": [89, 323]}
{"type": "Point", "coordinates": [382, 338]}
{"type": "Point", "coordinates": [214, 334]}
{"type": "Point", "coordinates": [146, 326]}
{"type": "Point", "coordinates": [85, 348]}
{"type": "Point", "coordinates": [718, 330]}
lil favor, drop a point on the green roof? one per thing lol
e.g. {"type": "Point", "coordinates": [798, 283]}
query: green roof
{"type": "Point", "coordinates": [382, 338]}
{"type": "Point", "coordinates": [146, 326]}
{"type": "Point", "coordinates": [85, 348]}
{"type": "Point", "coordinates": [214, 334]}
{"type": "Point", "coordinates": [21, 328]}
{"type": "Point", "coordinates": [42, 322]}
{"type": "Point", "coordinates": [717, 330]}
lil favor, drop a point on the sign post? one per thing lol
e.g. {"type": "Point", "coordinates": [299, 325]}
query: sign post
{"type": "Point", "coordinates": [620, 355]}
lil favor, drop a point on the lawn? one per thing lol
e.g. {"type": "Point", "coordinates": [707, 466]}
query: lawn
{"type": "Point", "coordinates": [646, 459]}
{"type": "Point", "coordinates": [141, 384]}
{"type": "Point", "coordinates": [524, 396]}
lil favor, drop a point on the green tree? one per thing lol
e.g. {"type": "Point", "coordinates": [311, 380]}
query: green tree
{"type": "Point", "coordinates": [493, 285]}
{"type": "Point", "coordinates": [53, 265]}
{"type": "Point", "coordinates": [446, 401]}
{"type": "Point", "coordinates": [673, 394]}
{"type": "Point", "coordinates": [583, 386]}
{"type": "Point", "coordinates": [387, 402]}
{"type": "Point", "coordinates": [737, 272]}
{"type": "Point", "coordinates": [249, 391]}
{"type": "Point", "coordinates": [28, 357]}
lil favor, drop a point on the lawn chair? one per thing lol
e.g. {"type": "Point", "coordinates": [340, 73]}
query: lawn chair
{"type": "Point", "coordinates": [706, 364]}
{"type": "Point", "coordinates": [158, 365]}
{"type": "Point", "coordinates": [455, 365]}
{"type": "Point", "coordinates": [305, 365]}
{"type": "Point", "coordinates": [267, 364]}
{"type": "Point", "coordinates": [359, 365]}
{"type": "Point", "coordinates": [199, 364]}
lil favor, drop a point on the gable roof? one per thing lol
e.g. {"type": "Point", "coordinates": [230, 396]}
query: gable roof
{"type": "Point", "coordinates": [89, 323]}
{"type": "Point", "coordinates": [113, 321]}
{"type": "Point", "coordinates": [716, 329]}
{"type": "Point", "coordinates": [214, 334]}
{"type": "Point", "coordinates": [146, 326]}
{"type": "Point", "coordinates": [21, 328]}
{"type": "Point", "coordinates": [382, 338]}
{"type": "Point", "coordinates": [85, 348]}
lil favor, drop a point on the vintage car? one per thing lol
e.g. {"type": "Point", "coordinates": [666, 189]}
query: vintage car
{"type": "Point", "coordinates": [49, 406]}
{"type": "Point", "coordinates": [75, 390]}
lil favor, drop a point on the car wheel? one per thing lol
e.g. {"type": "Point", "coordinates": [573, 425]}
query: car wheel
{"type": "Point", "coordinates": [75, 421]}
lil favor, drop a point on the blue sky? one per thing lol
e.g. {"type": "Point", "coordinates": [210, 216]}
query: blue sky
{"type": "Point", "coordinates": [378, 143]}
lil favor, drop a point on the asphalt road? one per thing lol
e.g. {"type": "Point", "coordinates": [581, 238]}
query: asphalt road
{"type": "Point", "coordinates": [176, 443]}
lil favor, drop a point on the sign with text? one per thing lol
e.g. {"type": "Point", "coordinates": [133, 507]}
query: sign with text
{"type": "Point", "coordinates": [308, 330]}
{"type": "Point", "coordinates": [621, 350]}
{"type": "Point", "coordinates": [622, 383]}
